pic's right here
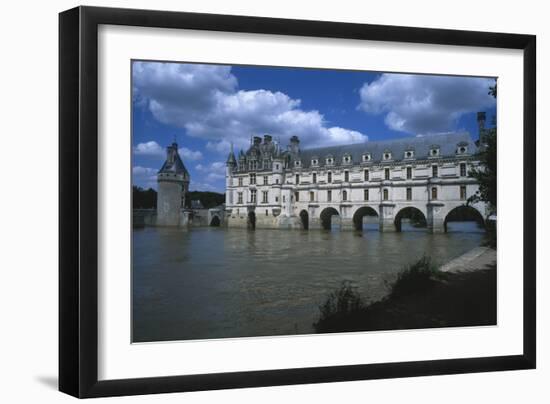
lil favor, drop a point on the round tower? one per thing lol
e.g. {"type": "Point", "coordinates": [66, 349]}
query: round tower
{"type": "Point", "coordinates": [230, 166]}
{"type": "Point", "coordinates": [173, 184]}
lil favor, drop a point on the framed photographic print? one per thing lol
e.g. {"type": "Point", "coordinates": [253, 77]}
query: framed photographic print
{"type": "Point", "coordinates": [251, 201]}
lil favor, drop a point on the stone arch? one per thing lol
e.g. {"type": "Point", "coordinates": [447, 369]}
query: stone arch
{"type": "Point", "coordinates": [304, 218]}
{"type": "Point", "coordinates": [360, 213]}
{"type": "Point", "coordinates": [464, 213]}
{"type": "Point", "coordinates": [326, 215]}
{"type": "Point", "coordinates": [215, 221]}
{"type": "Point", "coordinates": [417, 217]}
{"type": "Point", "coordinates": [251, 222]}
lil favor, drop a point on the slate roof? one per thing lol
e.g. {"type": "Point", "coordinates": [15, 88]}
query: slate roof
{"type": "Point", "coordinates": [176, 167]}
{"type": "Point", "coordinates": [421, 145]}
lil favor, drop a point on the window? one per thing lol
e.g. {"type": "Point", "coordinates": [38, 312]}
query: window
{"type": "Point", "coordinates": [409, 194]}
{"type": "Point", "coordinates": [386, 173]}
{"type": "Point", "coordinates": [297, 196]}
{"type": "Point", "coordinates": [264, 196]}
{"type": "Point", "coordinates": [347, 159]}
{"type": "Point", "coordinates": [314, 162]}
{"type": "Point", "coordinates": [284, 199]}
{"type": "Point", "coordinates": [276, 199]}
{"type": "Point", "coordinates": [330, 160]}
{"type": "Point", "coordinates": [311, 196]}
{"type": "Point", "coordinates": [387, 156]}
{"type": "Point", "coordinates": [366, 173]}
{"type": "Point", "coordinates": [252, 179]}
{"type": "Point", "coordinates": [253, 196]}
{"type": "Point", "coordinates": [366, 194]}
{"type": "Point", "coordinates": [329, 196]}
{"type": "Point", "coordinates": [434, 171]}
{"type": "Point", "coordinates": [434, 152]}
{"type": "Point", "coordinates": [297, 179]}
{"type": "Point", "coordinates": [346, 176]}
{"type": "Point", "coordinates": [344, 195]}
{"type": "Point", "coordinates": [267, 212]}
{"type": "Point", "coordinates": [434, 193]}
{"type": "Point", "coordinates": [314, 178]}
{"type": "Point", "coordinates": [240, 198]}
{"type": "Point", "coordinates": [409, 173]}
{"type": "Point", "coordinates": [329, 177]}
{"type": "Point", "coordinates": [297, 163]}
{"type": "Point", "coordinates": [385, 194]}
{"type": "Point", "coordinates": [240, 181]}
{"type": "Point", "coordinates": [276, 166]}
{"type": "Point", "coordinates": [463, 192]}
{"type": "Point", "coordinates": [266, 180]}
{"type": "Point", "coordinates": [276, 180]}
{"type": "Point", "coordinates": [463, 169]}
{"type": "Point", "coordinates": [409, 154]}
{"type": "Point", "coordinates": [366, 157]}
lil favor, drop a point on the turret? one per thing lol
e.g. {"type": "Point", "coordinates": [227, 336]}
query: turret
{"type": "Point", "coordinates": [173, 184]}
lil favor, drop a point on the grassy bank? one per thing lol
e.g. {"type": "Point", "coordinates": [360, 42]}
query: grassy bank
{"type": "Point", "coordinates": [420, 297]}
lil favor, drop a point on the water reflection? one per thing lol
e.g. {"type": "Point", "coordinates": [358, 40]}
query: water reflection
{"type": "Point", "coordinates": [216, 283]}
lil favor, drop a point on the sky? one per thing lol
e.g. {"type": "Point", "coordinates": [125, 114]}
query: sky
{"type": "Point", "coordinates": [206, 108]}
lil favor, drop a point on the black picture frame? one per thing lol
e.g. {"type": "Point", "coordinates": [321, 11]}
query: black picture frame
{"type": "Point", "coordinates": [78, 201]}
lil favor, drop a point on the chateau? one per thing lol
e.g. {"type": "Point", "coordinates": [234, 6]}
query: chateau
{"type": "Point", "coordinates": [268, 187]}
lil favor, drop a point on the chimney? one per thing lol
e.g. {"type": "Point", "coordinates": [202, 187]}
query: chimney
{"type": "Point", "coordinates": [257, 140]}
{"type": "Point", "coordinates": [267, 139]}
{"type": "Point", "coordinates": [481, 121]}
{"type": "Point", "coordinates": [294, 146]}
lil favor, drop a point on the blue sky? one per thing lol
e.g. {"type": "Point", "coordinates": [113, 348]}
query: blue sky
{"type": "Point", "coordinates": [208, 107]}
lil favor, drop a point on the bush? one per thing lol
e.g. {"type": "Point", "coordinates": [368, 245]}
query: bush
{"type": "Point", "coordinates": [340, 304]}
{"type": "Point", "coordinates": [414, 279]}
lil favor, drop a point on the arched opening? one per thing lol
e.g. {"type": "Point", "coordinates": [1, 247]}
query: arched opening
{"type": "Point", "coordinates": [410, 219]}
{"type": "Point", "coordinates": [464, 219]}
{"type": "Point", "coordinates": [304, 217]}
{"type": "Point", "coordinates": [251, 223]}
{"type": "Point", "coordinates": [215, 222]}
{"type": "Point", "coordinates": [365, 218]}
{"type": "Point", "coordinates": [326, 218]}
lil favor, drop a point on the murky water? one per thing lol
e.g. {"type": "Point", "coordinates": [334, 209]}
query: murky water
{"type": "Point", "coordinates": [217, 283]}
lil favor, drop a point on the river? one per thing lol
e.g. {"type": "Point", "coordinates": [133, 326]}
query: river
{"type": "Point", "coordinates": [211, 282]}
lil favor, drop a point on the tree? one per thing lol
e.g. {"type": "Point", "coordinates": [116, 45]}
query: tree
{"type": "Point", "coordinates": [487, 175]}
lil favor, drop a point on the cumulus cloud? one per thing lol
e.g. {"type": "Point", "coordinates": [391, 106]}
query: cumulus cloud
{"type": "Point", "coordinates": [153, 149]}
{"type": "Point", "coordinates": [424, 104]}
{"type": "Point", "coordinates": [213, 171]}
{"type": "Point", "coordinates": [206, 102]}
{"type": "Point", "coordinates": [144, 177]}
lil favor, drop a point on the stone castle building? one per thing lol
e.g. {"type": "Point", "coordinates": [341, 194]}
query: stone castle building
{"type": "Point", "coordinates": [294, 188]}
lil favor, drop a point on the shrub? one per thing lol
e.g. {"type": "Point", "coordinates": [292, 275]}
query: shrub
{"type": "Point", "coordinates": [341, 303]}
{"type": "Point", "coordinates": [414, 279]}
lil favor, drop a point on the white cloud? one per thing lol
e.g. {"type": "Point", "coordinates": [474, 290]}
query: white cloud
{"type": "Point", "coordinates": [144, 177]}
{"type": "Point", "coordinates": [425, 104]}
{"type": "Point", "coordinates": [213, 172]}
{"type": "Point", "coordinates": [189, 155]}
{"type": "Point", "coordinates": [153, 149]}
{"type": "Point", "coordinates": [205, 101]}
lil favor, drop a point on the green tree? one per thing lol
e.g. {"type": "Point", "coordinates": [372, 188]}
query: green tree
{"type": "Point", "coordinates": [487, 174]}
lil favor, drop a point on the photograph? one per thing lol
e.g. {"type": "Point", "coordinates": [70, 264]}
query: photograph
{"type": "Point", "coordinates": [275, 201]}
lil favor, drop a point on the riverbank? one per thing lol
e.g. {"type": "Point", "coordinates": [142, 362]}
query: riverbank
{"type": "Point", "coordinates": [460, 293]}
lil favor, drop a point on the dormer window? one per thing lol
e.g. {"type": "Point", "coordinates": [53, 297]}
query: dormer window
{"type": "Point", "coordinates": [386, 155]}
{"type": "Point", "coordinates": [409, 154]}
{"type": "Point", "coordinates": [297, 163]}
{"type": "Point", "coordinates": [314, 162]}
{"type": "Point", "coordinates": [366, 157]}
{"type": "Point", "coordinates": [330, 160]}
{"type": "Point", "coordinates": [347, 159]}
{"type": "Point", "coordinates": [462, 148]}
{"type": "Point", "coordinates": [434, 151]}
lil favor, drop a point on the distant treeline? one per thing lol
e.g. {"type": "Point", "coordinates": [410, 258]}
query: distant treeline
{"type": "Point", "coordinates": [147, 198]}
